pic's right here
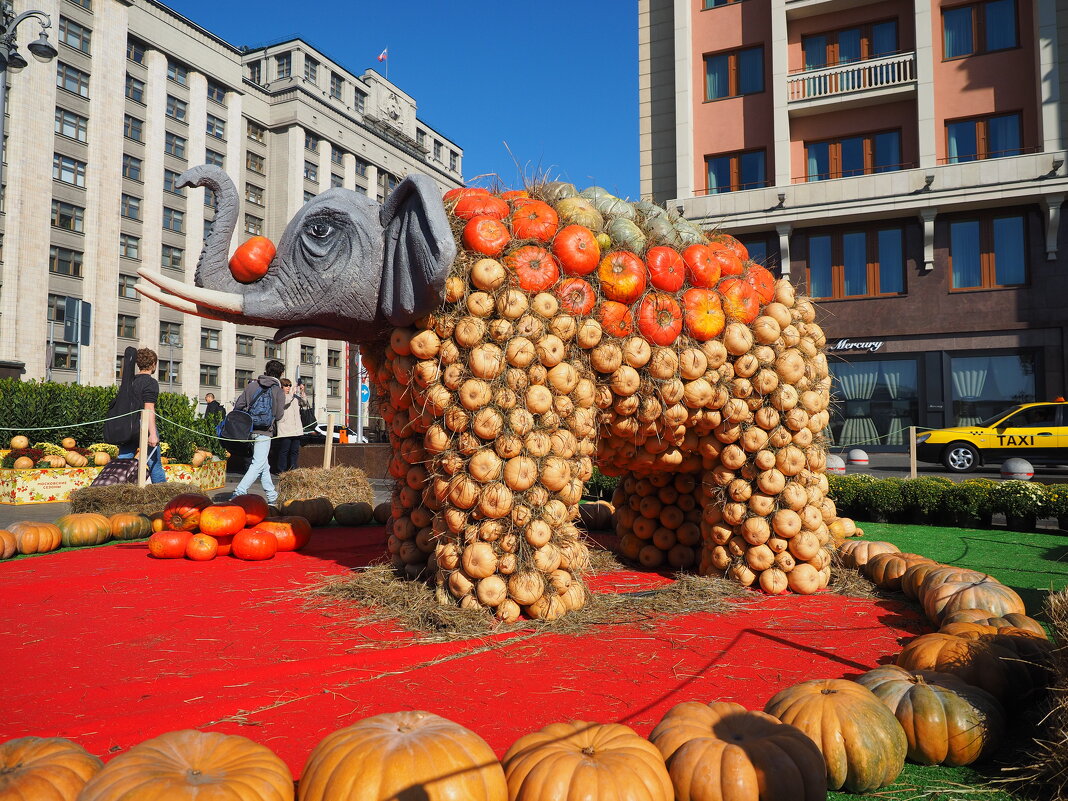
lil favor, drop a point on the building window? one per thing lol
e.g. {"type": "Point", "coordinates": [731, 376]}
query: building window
{"type": "Point", "coordinates": [126, 325]}
{"type": "Point", "coordinates": [242, 378]}
{"type": "Point", "coordinates": [74, 35]}
{"type": "Point", "coordinates": [217, 93]}
{"type": "Point", "coordinates": [272, 350]}
{"type": "Point", "coordinates": [360, 101]}
{"type": "Point", "coordinates": [988, 252]}
{"type": "Point", "coordinates": [420, 137]}
{"type": "Point", "coordinates": [135, 89]}
{"type": "Point", "coordinates": [257, 133]}
{"type": "Point", "coordinates": [176, 109]}
{"type": "Point", "coordinates": [253, 225]}
{"type": "Point", "coordinates": [130, 207]}
{"type": "Point", "coordinates": [86, 4]}
{"type": "Point", "coordinates": [174, 145]}
{"type": "Point", "coordinates": [173, 220]}
{"type": "Point", "coordinates": [131, 167]}
{"type": "Point", "coordinates": [216, 127]}
{"type": "Point", "coordinates": [311, 69]}
{"type": "Point", "coordinates": [283, 65]}
{"type": "Point", "coordinates": [129, 246]}
{"type": "Point", "coordinates": [128, 287]}
{"type": "Point", "coordinates": [333, 357]}
{"type": "Point", "coordinates": [759, 249]}
{"type": "Point", "coordinates": [57, 308]}
{"type": "Point", "coordinates": [209, 338]}
{"type": "Point", "coordinates": [857, 263]}
{"type": "Point", "coordinates": [210, 199]}
{"type": "Point", "coordinates": [68, 216]}
{"type": "Point", "coordinates": [333, 387]}
{"type": "Point", "coordinates": [717, 3]}
{"type": "Point", "coordinates": [307, 354]}
{"type": "Point", "coordinates": [978, 28]}
{"type": "Point", "coordinates": [337, 83]}
{"type": "Point", "coordinates": [244, 345]}
{"type": "Point", "coordinates": [68, 170]}
{"type": "Point", "coordinates": [308, 195]}
{"type": "Point", "coordinates": [454, 161]}
{"type": "Point", "coordinates": [983, 138]}
{"type": "Point", "coordinates": [172, 257]}
{"type": "Point", "coordinates": [733, 172]}
{"type": "Point", "coordinates": [214, 157]}
{"type": "Point", "coordinates": [209, 375]}
{"type": "Point", "coordinates": [739, 72]}
{"type": "Point", "coordinates": [64, 356]}
{"type": "Point", "coordinates": [169, 371]}
{"type": "Point", "coordinates": [170, 182]}
{"type": "Point", "coordinates": [254, 162]}
{"type": "Point", "coordinates": [336, 181]}
{"type": "Point", "coordinates": [71, 125]}
{"type": "Point", "coordinates": [170, 333]}
{"type": "Point", "coordinates": [253, 194]}
{"type": "Point", "coordinates": [132, 128]}
{"type": "Point", "coordinates": [337, 155]}
{"type": "Point", "coordinates": [361, 166]}
{"type": "Point", "coordinates": [178, 73]}
{"type": "Point", "coordinates": [986, 385]}
{"type": "Point", "coordinates": [849, 45]}
{"type": "Point", "coordinates": [255, 72]}
{"type": "Point", "coordinates": [311, 142]}
{"type": "Point", "coordinates": [64, 261]}
{"type": "Point", "coordinates": [135, 51]}
{"type": "Point", "coordinates": [437, 150]}
{"type": "Point", "coordinates": [72, 80]}
{"type": "Point", "coordinates": [854, 155]}
{"type": "Point", "coordinates": [311, 171]}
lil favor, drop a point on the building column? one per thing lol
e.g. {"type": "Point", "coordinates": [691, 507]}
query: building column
{"type": "Point", "coordinates": [1049, 78]}
{"type": "Point", "coordinates": [372, 181]}
{"type": "Point", "coordinates": [784, 230]}
{"type": "Point", "coordinates": [349, 172]}
{"type": "Point", "coordinates": [780, 110]}
{"type": "Point", "coordinates": [1052, 206]}
{"type": "Point", "coordinates": [154, 134]}
{"type": "Point", "coordinates": [926, 55]}
{"type": "Point", "coordinates": [684, 99]}
{"type": "Point", "coordinates": [194, 226]}
{"type": "Point", "coordinates": [927, 217]}
{"type": "Point", "coordinates": [325, 164]}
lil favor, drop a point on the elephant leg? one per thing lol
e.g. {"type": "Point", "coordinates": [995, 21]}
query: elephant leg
{"type": "Point", "coordinates": [658, 519]}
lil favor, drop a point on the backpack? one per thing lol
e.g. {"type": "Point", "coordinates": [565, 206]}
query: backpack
{"type": "Point", "coordinates": [238, 424]}
{"type": "Point", "coordinates": [122, 427]}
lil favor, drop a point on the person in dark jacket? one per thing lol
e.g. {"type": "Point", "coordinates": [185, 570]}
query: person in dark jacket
{"type": "Point", "coordinates": [213, 407]}
{"type": "Point", "coordinates": [261, 435]}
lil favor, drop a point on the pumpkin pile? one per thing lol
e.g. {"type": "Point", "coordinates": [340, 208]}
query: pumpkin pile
{"type": "Point", "coordinates": [71, 531]}
{"type": "Point", "coordinates": [23, 456]}
{"type": "Point", "coordinates": [578, 328]}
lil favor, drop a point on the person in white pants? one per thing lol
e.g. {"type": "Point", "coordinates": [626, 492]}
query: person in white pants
{"type": "Point", "coordinates": [260, 468]}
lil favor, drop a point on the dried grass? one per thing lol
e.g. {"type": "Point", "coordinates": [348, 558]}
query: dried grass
{"type": "Point", "coordinates": [851, 583]}
{"type": "Point", "coordinates": [128, 498]}
{"type": "Point", "coordinates": [339, 484]}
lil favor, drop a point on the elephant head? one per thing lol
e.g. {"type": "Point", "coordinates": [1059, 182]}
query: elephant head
{"type": "Point", "coordinates": [345, 268]}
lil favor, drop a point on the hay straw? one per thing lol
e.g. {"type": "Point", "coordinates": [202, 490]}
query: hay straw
{"type": "Point", "coordinates": [851, 583]}
{"type": "Point", "coordinates": [339, 484]}
{"type": "Point", "coordinates": [111, 500]}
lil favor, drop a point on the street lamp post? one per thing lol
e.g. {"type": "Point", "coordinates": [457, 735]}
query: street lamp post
{"type": "Point", "coordinates": [13, 61]}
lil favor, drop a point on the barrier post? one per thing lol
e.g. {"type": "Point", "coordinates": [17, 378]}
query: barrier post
{"type": "Point", "coordinates": [142, 452]}
{"type": "Point", "coordinates": [328, 451]}
{"type": "Point", "coordinates": [912, 451]}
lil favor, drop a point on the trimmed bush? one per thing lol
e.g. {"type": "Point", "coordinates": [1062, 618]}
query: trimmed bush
{"type": "Point", "coordinates": [922, 497]}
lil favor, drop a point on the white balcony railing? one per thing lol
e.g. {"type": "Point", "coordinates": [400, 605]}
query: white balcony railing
{"type": "Point", "coordinates": [875, 73]}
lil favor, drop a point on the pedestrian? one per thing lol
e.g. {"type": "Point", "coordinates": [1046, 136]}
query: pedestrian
{"type": "Point", "coordinates": [263, 426]}
{"type": "Point", "coordinates": [144, 392]}
{"type": "Point", "coordinates": [213, 406]}
{"type": "Point", "coordinates": [290, 428]}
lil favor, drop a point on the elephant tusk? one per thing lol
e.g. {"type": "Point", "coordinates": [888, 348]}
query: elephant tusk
{"type": "Point", "coordinates": [229, 302]}
{"type": "Point", "coordinates": [181, 304]}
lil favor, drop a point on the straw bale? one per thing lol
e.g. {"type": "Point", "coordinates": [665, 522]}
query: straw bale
{"type": "Point", "coordinates": [339, 484]}
{"type": "Point", "coordinates": [130, 498]}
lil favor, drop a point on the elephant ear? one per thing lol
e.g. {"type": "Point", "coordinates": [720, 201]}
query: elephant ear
{"type": "Point", "coordinates": [418, 250]}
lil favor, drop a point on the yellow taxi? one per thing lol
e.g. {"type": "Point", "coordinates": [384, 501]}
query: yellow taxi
{"type": "Point", "coordinates": [1037, 432]}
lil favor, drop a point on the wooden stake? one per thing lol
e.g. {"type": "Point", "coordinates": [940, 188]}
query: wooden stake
{"type": "Point", "coordinates": [142, 452]}
{"type": "Point", "coordinates": [912, 451]}
{"type": "Point", "coordinates": [328, 451]}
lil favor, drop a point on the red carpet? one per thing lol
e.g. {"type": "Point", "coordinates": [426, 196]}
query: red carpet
{"type": "Point", "coordinates": [108, 647]}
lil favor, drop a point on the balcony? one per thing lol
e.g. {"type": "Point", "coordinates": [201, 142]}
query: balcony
{"type": "Point", "coordinates": [876, 80]}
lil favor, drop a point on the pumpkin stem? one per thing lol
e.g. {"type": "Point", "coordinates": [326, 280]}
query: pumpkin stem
{"type": "Point", "coordinates": [588, 750]}
{"type": "Point", "coordinates": [828, 691]}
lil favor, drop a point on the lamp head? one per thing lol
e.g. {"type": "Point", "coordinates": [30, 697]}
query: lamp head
{"type": "Point", "coordinates": [42, 49]}
{"type": "Point", "coordinates": [15, 61]}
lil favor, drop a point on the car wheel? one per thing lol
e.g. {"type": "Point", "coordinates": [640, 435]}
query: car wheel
{"type": "Point", "coordinates": [960, 457]}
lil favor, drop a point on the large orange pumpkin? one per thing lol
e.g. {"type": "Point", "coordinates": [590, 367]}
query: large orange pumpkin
{"type": "Point", "coordinates": [85, 528]}
{"type": "Point", "coordinates": [44, 769]}
{"type": "Point", "coordinates": [292, 532]}
{"type": "Point", "coordinates": [660, 318]}
{"type": "Point", "coordinates": [703, 313]}
{"type": "Point", "coordinates": [255, 506]}
{"type": "Point", "coordinates": [9, 546]}
{"type": "Point", "coordinates": [886, 569]}
{"type": "Point", "coordinates": [740, 300]}
{"type": "Point", "coordinates": [701, 268]}
{"type": "Point", "coordinates": [254, 544]}
{"type": "Point", "coordinates": [576, 296]}
{"type": "Point", "coordinates": [982, 616]}
{"type": "Point", "coordinates": [576, 248]}
{"type": "Point", "coordinates": [403, 755]}
{"type": "Point", "coordinates": [35, 537]}
{"type": "Point", "coordinates": [622, 276]}
{"type": "Point", "coordinates": [986, 593]}
{"type": "Point", "coordinates": [535, 269]}
{"type": "Point", "coordinates": [168, 544]}
{"type": "Point", "coordinates": [616, 318]}
{"type": "Point", "coordinates": [722, 750]}
{"type": "Point", "coordinates": [980, 663]}
{"type": "Point", "coordinates": [222, 519]}
{"type": "Point", "coordinates": [478, 204]}
{"type": "Point", "coordinates": [252, 259]}
{"type": "Point", "coordinates": [862, 743]}
{"type": "Point", "coordinates": [534, 219]}
{"type": "Point", "coordinates": [183, 511]}
{"type": "Point", "coordinates": [190, 765]}
{"type": "Point", "coordinates": [609, 762]}
{"type": "Point", "coordinates": [125, 526]}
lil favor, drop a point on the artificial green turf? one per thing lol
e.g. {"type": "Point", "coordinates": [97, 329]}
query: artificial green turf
{"type": "Point", "coordinates": [1032, 564]}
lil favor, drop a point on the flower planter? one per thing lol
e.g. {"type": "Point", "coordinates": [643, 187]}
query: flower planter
{"type": "Point", "coordinates": [1062, 522]}
{"type": "Point", "coordinates": [54, 485]}
{"type": "Point", "coordinates": [1021, 522]}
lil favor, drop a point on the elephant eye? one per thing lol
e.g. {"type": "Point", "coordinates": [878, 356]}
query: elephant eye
{"type": "Point", "coordinates": [320, 230]}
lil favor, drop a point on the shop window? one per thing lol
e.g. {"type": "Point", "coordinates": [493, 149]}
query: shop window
{"type": "Point", "coordinates": [985, 386]}
{"type": "Point", "coordinates": [983, 138]}
{"type": "Point", "coordinates": [739, 72]}
{"type": "Point", "coordinates": [979, 28]}
{"type": "Point", "coordinates": [857, 263]}
{"type": "Point", "coordinates": [989, 252]}
{"type": "Point", "coordinates": [733, 172]}
{"type": "Point", "coordinates": [853, 155]}
{"type": "Point", "coordinates": [875, 402]}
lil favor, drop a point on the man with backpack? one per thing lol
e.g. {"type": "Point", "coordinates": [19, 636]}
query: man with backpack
{"type": "Point", "coordinates": [264, 401]}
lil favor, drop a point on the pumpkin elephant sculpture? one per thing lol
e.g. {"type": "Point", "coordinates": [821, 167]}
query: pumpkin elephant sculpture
{"type": "Point", "coordinates": [517, 341]}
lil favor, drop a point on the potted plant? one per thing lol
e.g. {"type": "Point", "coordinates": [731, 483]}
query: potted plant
{"type": "Point", "coordinates": [1057, 504]}
{"type": "Point", "coordinates": [922, 497]}
{"type": "Point", "coordinates": [1021, 502]}
{"type": "Point", "coordinates": [882, 499]}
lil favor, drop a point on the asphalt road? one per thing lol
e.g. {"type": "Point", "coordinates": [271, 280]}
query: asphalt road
{"type": "Point", "coordinates": [896, 465]}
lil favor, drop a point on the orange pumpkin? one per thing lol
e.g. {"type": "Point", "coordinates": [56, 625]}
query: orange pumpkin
{"type": "Point", "coordinates": [534, 219]}
{"type": "Point", "coordinates": [126, 526]}
{"type": "Point", "coordinates": [722, 750]}
{"type": "Point", "coordinates": [762, 281]}
{"type": "Point", "coordinates": [252, 259]}
{"type": "Point", "coordinates": [486, 235]}
{"type": "Point", "coordinates": [703, 313]}
{"type": "Point", "coordinates": [701, 268]}
{"type": "Point", "coordinates": [84, 529]}
{"type": "Point", "coordinates": [35, 537]}
{"type": "Point", "coordinates": [254, 545]}
{"type": "Point", "coordinates": [535, 269]}
{"type": "Point", "coordinates": [659, 319]}
{"type": "Point", "coordinates": [480, 204]}
{"type": "Point", "coordinates": [856, 553]}
{"type": "Point", "coordinates": [189, 765]}
{"type": "Point", "coordinates": [576, 296]}
{"type": "Point", "coordinates": [576, 248]}
{"type": "Point", "coordinates": [984, 593]}
{"type": "Point", "coordinates": [9, 546]}
{"type": "Point", "coordinates": [610, 762]}
{"type": "Point", "coordinates": [978, 662]}
{"type": "Point", "coordinates": [740, 300]}
{"type": "Point", "coordinates": [255, 506]}
{"type": "Point", "coordinates": [622, 275]}
{"type": "Point", "coordinates": [292, 532]}
{"type": "Point", "coordinates": [201, 548]}
{"type": "Point", "coordinates": [222, 519]}
{"type": "Point", "coordinates": [44, 769]}
{"type": "Point", "coordinates": [983, 616]}
{"type": "Point", "coordinates": [667, 270]}
{"type": "Point", "coordinates": [886, 569]}
{"type": "Point", "coordinates": [730, 258]}
{"type": "Point", "coordinates": [463, 191]}
{"type": "Point", "coordinates": [168, 544]}
{"type": "Point", "coordinates": [616, 318]}
{"type": "Point", "coordinates": [400, 755]}
{"type": "Point", "coordinates": [183, 512]}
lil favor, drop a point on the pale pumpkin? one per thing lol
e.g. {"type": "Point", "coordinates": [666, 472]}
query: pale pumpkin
{"type": "Point", "coordinates": [980, 663]}
{"type": "Point", "coordinates": [19, 442]}
{"type": "Point", "coordinates": [862, 743]}
{"type": "Point", "coordinates": [983, 617]}
{"type": "Point", "coordinates": [182, 765]}
{"type": "Point", "coordinates": [950, 596]}
{"type": "Point", "coordinates": [44, 769]}
{"type": "Point", "coordinates": [75, 459]}
{"type": "Point", "coordinates": [402, 754]}
{"type": "Point", "coordinates": [856, 553]}
{"type": "Point", "coordinates": [35, 537]}
{"type": "Point", "coordinates": [722, 750]}
{"type": "Point", "coordinates": [609, 762]}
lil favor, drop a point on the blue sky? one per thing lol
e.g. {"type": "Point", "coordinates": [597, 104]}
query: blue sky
{"type": "Point", "coordinates": [556, 81]}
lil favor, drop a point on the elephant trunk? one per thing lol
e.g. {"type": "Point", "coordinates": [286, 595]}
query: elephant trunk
{"type": "Point", "coordinates": [213, 270]}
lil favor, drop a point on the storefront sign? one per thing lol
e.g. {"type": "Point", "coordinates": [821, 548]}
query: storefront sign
{"type": "Point", "coordinates": [843, 345]}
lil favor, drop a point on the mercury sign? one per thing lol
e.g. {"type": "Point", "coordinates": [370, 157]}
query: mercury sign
{"type": "Point", "coordinates": [845, 345]}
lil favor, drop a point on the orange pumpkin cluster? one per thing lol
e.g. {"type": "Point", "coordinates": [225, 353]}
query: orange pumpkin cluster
{"type": "Point", "coordinates": [662, 295]}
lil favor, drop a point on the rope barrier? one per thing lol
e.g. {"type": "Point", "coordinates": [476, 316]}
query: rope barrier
{"type": "Point", "coordinates": [71, 425]}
